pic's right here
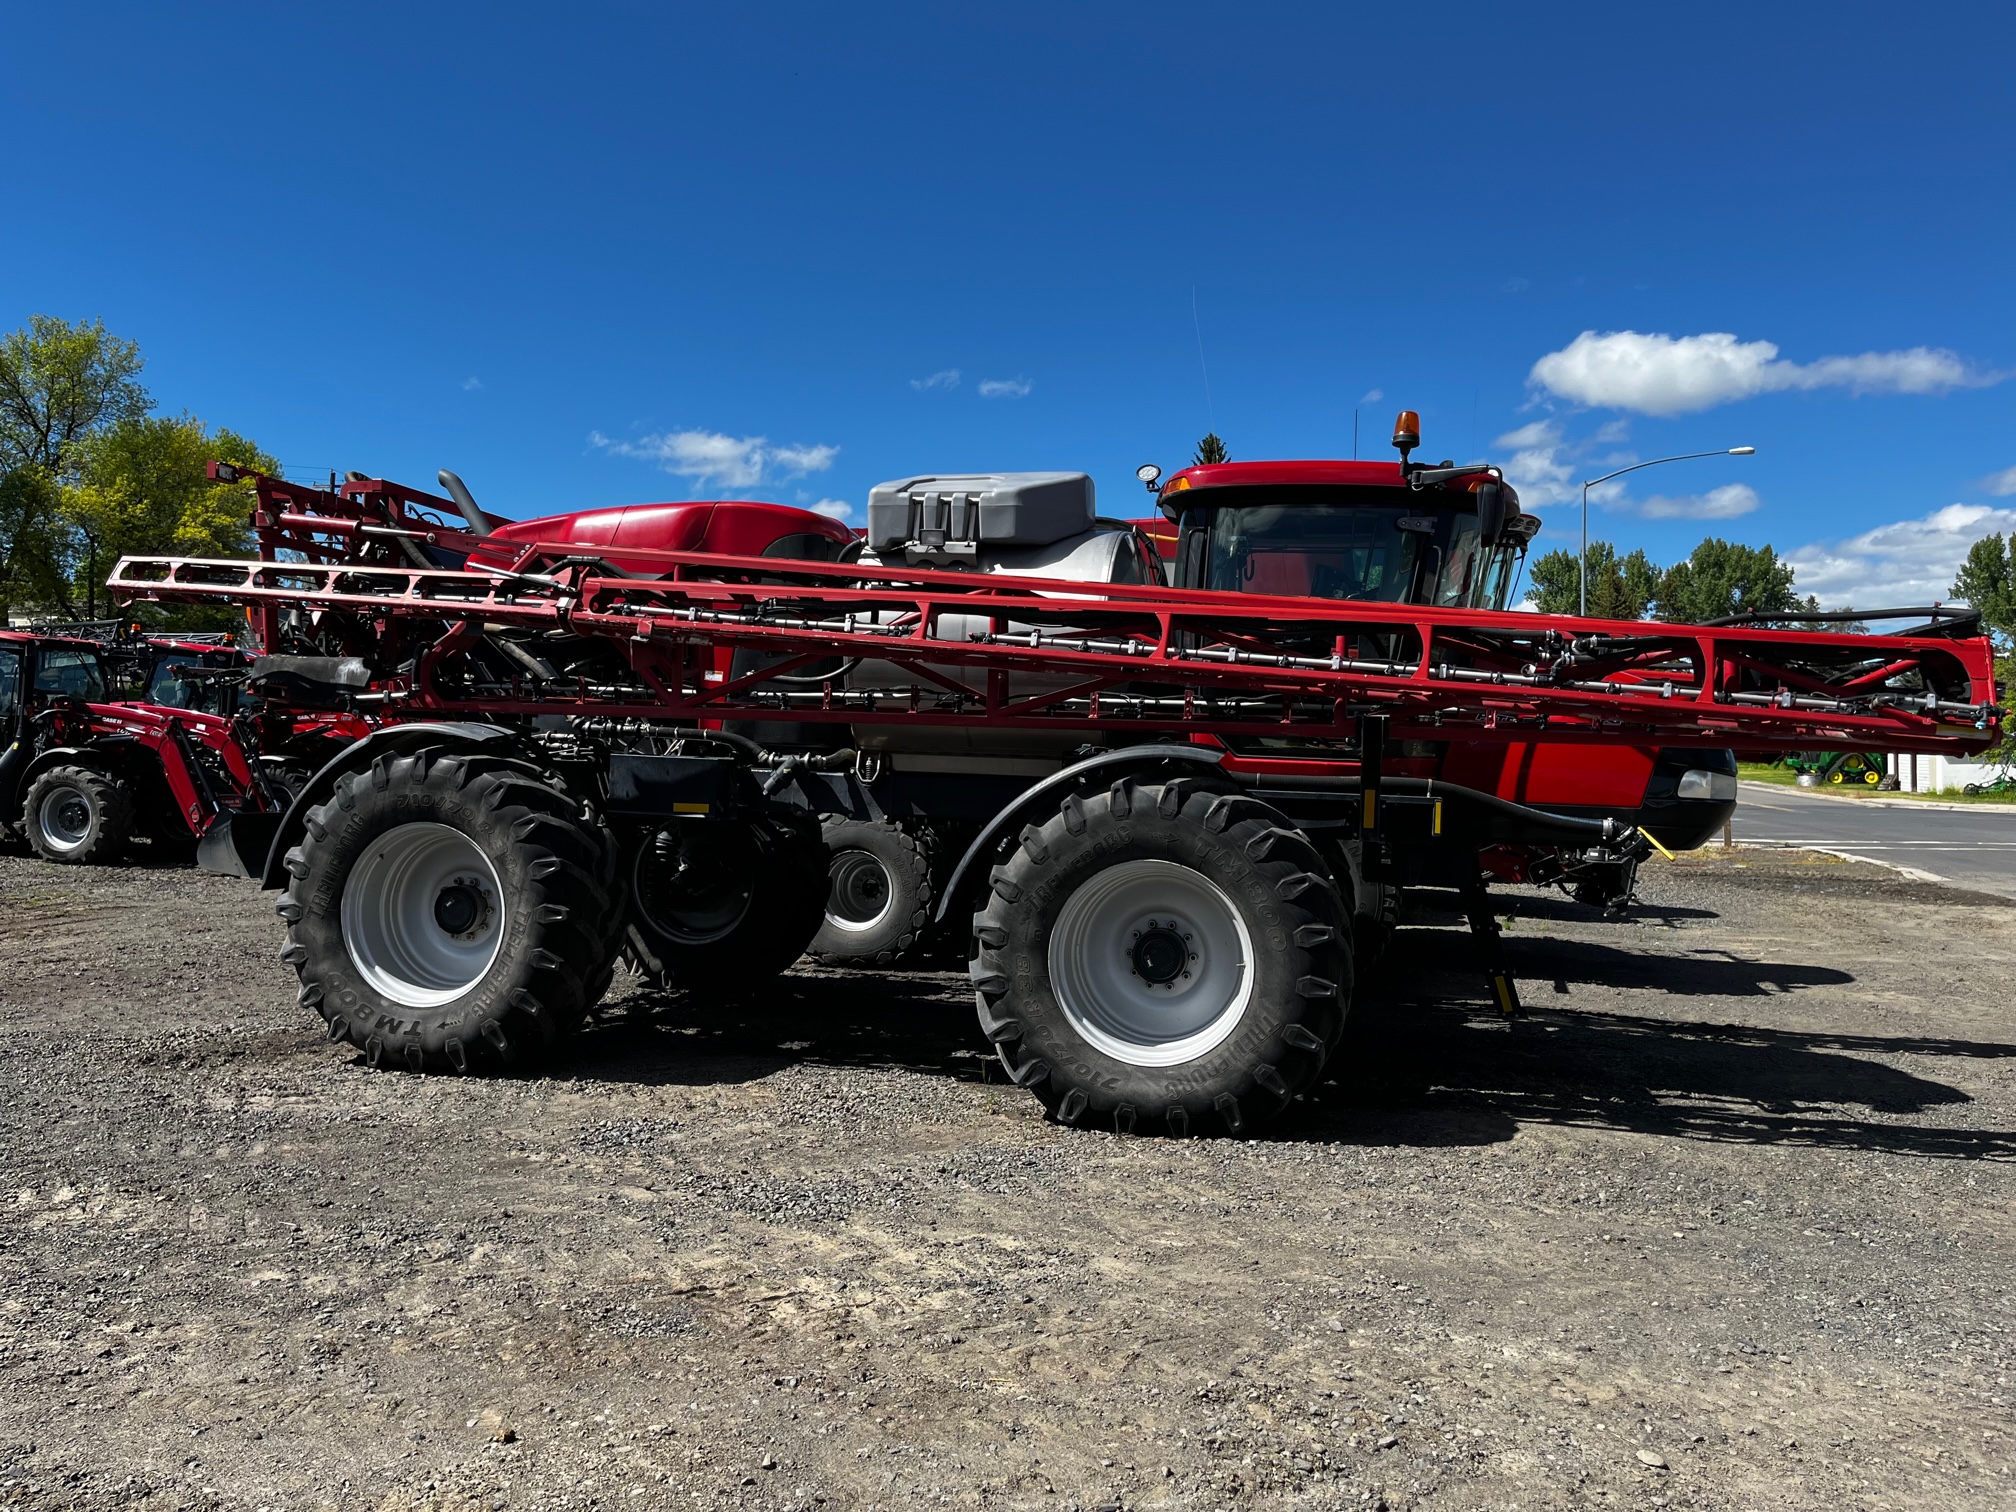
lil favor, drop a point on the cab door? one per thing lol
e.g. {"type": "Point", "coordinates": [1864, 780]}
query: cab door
{"type": "Point", "coordinates": [14, 752]}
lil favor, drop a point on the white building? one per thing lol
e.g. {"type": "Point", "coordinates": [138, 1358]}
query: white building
{"type": "Point", "coordinates": [1938, 774]}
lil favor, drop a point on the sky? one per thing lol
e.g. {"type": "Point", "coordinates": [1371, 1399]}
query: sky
{"type": "Point", "coordinates": [609, 253]}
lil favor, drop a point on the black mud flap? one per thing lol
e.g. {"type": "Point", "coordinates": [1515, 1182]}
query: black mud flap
{"type": "Point", "coordinates": [236, 845]}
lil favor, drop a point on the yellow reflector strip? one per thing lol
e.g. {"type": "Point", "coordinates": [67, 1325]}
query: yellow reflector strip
{"type": "Point", "coordinates": [1372, 808]}
{"type": "Point", "coordinates": [1436, 828]}
{"type": "Point", "coordinates": [691, 808]}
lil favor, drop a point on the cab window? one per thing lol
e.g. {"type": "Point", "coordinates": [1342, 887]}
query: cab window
{"type": "Point", "coordinates": [10, 683]}
{"type": "Point", "coordinates": [61, 673]}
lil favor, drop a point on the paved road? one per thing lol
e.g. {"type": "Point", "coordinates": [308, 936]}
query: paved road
{"type": "Point", "coordinates": [1975, 847]}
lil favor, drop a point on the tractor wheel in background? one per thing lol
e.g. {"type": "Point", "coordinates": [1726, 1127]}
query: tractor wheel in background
{"type": "Point", "coordinates": [78, 815]}
{"type": "Point", "coordinates": [1837, 776]}
{"type": "Point", "coordinates": [445, 909]}
{"type": "Point", "coordinates": [723, 906]}
{"type": "Point", "coordinates": [879, 892]}
{"type": "Point", "coordinates": [1871, 776]}
{"type": "Point", "coordinates": [1971, 789]}
{"type": "Point", "coordinates": [1163, 958]}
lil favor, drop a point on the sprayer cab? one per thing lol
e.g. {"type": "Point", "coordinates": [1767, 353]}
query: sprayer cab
{"type": "Point", "coordinates": [1407, 533]}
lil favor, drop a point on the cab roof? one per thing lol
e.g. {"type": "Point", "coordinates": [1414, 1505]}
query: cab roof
{"type": "Point", "coordinates": [30, 638]}
{"type": "Point", "coordinates": [1264, 474]}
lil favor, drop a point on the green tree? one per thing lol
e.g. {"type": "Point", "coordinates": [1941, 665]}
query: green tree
{"type": "Point", "coordinates": [1722, 578]}
{"type": "Point", "coordinates": [1987, 581]}
{"type": "Point", "coordinates": [140, 489]}
{"type": "Point", "coordinates": [1619, 588]}
{"type": "Point", "coordinates": [1209, 451]}
{"type": "Point", "coordinates": [58, 384]}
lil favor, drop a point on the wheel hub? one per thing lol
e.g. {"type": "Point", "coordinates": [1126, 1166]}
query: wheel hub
{"type": "Point", "coordinates": [695, 884]}
{"type": "Point", "coordinates": [1160, 953]}
{"type": "Point", "coordinates": [859, 893]}
{"type": "Point", "coordinates": [71, 817]}
{"type": "Point", "coordinates": [459, 907]}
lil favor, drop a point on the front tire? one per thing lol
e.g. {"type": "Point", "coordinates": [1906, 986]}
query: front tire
{"type": "Point", "coordinates": [78, 816]}
{"type": "Point", "coordinates": [445, 909]}
{"type": "Point", "coordinates": [1163, 957]}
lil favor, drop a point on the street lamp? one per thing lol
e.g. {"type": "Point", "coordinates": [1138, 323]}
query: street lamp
{"type": "Point", "coordinates": [1734, 451]}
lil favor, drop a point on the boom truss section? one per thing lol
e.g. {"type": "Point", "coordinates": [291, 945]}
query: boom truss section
{"type": "Point", "coordinates": [528, 629]}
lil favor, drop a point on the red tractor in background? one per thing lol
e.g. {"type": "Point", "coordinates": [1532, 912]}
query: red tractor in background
{"type": "Point", "coordinates": [84, 771]}
{"type": "Point", "coordinates": [202, 670]}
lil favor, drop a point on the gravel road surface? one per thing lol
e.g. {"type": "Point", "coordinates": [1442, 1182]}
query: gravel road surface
{"type": "Point", "coordinates": [1973, 846]}
{"type": "Point", "coordinates": [1726, 1223]}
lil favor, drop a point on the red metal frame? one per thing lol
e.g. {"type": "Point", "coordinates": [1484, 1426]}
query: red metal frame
{"type": "Point", "coordinates": [1213, 663]}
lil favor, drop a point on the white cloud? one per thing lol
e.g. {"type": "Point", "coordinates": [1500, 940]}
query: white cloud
{"type": "Point", "coordinates": [1724, 503]}
{"type": "Point", "coordinates": [838, 509]}
{"type": "Point", "coordinates": [1667, 375]}
{"type": "Point", "coordinates": [2001, 484]}
{"type": "Point", "coordinates": [1373, 396]}
{"type": "Point", "coordinates": [946, 378]}
{"type": "Point", "coordinates": [1906, 563]}
{"type": "Point", "coordinates": [709, 458]}
{"type": "Point", "coordinates": [1004, 388]}
{"type": "Point", "coordinates": [796, 461]}
{"type": "Point", "coordinates": [471, 384]}
{"type": "Point", "coordinates": [1542, 467]}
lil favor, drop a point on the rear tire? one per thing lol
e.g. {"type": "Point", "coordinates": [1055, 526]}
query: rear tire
{"type": "Point", "coordinates": [78, 816]}
{"type": "Point", "coordinates": [879, 893]}
{"type": "Point", "coordinates": [445, 910]}
{"type": "Point", "coordinates": [721, 907]}
{"type": "Point", "coordinates": [1163, 958]}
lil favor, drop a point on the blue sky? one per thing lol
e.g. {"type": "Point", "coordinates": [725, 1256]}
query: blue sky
{"type": "Point", "coordinates": [619, 252]}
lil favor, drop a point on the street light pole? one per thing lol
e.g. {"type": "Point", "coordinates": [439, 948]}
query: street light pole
{"type": "Point", "coordinates": [1733, 451]}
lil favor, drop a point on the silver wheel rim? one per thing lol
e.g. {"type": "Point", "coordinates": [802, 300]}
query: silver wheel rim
{"type": "Point", "coordinates": [423, 914]}
{"type": "Point", "coordinates": [64, 818]}
{"type": "Point", "coordinates": [1114, 970]}
{"type": "Point", "coordinates": [861, 892]}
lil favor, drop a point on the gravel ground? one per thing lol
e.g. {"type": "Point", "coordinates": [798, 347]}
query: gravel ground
{"type": "Point", "coordinates": [1726, 1223]}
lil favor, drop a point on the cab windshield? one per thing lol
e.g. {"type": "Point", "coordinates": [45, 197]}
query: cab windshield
{"type": "Point", "coordinates": [1347, 543]}
{"type": "Point", "coordinates": [169, 688]}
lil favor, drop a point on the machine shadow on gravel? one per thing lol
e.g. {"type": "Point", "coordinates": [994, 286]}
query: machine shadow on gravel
{"type": "Point", "coordinates": [1423, 1062]}
{"type": "Point", "coordinates": [1425, 1059]}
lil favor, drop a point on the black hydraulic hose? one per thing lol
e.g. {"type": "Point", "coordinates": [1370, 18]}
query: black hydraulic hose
{"type": "Point", "coordinates": [1427, 787]}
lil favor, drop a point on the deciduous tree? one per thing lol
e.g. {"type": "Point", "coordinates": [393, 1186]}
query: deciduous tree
{"type": "Point", "coordinates": [59, 382]}
{"type": "Point", "coordinates": [140, 488]}
{"type": "Point", "coordinates": [1722, 578]}
{"type": "Point", "coordinates": [1987, 581]}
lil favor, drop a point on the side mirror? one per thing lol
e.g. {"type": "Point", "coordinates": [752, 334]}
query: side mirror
{"type": "Point", "coordinates": [1490, 512]}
